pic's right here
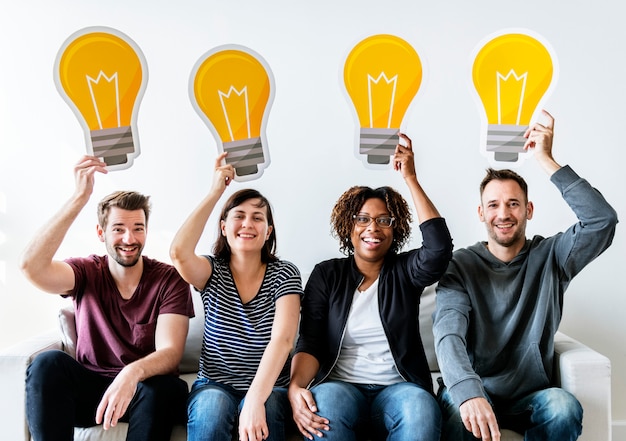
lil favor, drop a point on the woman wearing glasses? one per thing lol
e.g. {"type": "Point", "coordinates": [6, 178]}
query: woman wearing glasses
{"type": "Point", "coordinates": [360, 371]}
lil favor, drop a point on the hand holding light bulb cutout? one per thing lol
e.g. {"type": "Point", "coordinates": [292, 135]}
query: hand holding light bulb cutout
{"type": "Point", "coordinates": [102, 74]}
{"type": "Point", "coordinates": [382, 75]}
{"type": "Point", "coordinates": [232, 89]}
{"type": "Point", "coordinates": [512, 74]}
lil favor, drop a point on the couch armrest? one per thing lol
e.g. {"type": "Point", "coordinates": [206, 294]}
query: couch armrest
{"type": "Point", "coordinates": [586, 374]}
{"type": "Point", "coordinates": [13, 363]}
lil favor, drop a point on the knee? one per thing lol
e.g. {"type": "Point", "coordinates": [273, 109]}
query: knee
{"type": "Point", "coordinates": [161, 393]}
{"type": "Point", "coordinates": [46, 368]}
{"type": "Point", "coordinates": [422, 411]}
{"type": "Point", "coordinates": [560, 405]}
{"type": "Point", "coordinates": [415, 410]}
{"type": "Point", "coordinates": [338, 401]}
{"type": "Point", "coordinates": [211, 402]}
{"type": "Point", "coordinates": [163, 387]}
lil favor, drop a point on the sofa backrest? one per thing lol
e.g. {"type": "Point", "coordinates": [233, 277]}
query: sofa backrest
{"type": "Point", "coordinates": [193, 345]}
{"type": "Point", "coordinates": [190, 362]}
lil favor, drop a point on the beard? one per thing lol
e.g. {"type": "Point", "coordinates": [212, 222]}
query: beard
{"type": "Point", "coordinates": [508, 241]}
{"type": "Point", "coordinates": [125, 261]}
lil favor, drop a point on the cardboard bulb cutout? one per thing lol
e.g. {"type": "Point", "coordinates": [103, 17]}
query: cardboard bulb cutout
{"type": "Point", "coordinates": [102, 74]}
{"type": "Point", "coordinates": [232, 89]}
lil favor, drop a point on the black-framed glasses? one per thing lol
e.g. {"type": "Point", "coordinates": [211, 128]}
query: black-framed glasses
{"type": "Point", "coordinates": [363, 220]}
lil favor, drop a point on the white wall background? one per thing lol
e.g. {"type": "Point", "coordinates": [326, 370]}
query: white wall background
{"type": "Point", "coordinates": [311, 129]}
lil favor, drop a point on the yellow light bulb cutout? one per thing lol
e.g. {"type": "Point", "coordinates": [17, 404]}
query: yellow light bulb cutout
{"type": "Point", "coordinates": [382, 75]}
{"type": "Point", "coordinates": [102, 74]}
{"type": "Point", "coordinates": [232, 89]}
{"type": "Point", "coordinates": [511, 74]}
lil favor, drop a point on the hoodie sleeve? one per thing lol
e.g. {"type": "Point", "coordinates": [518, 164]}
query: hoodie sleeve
{"type": "Point", "coordinates": [595, 229]}
{"type": "Point", "coordinates": [450, 325]}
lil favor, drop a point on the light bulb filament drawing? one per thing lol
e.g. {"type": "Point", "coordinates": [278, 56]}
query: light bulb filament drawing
{"type": "Point", "coordinates": [238, 109]}
{"type": "Point", "coordinates": [386, 102]}
{"type": "Point", "coordinates": [92, 83]}
{"type": "Point", "coordinates": [511, 90]}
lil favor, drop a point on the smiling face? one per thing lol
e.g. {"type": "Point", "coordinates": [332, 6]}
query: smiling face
{"type": "Point", "coordinates": [246, 227]}
{"type": "Point", "coordinates": [505, 211]}
{"type": "Point", "coordinates": [124, 235]}
{"type": "Point", "coordinates": [371, 243]}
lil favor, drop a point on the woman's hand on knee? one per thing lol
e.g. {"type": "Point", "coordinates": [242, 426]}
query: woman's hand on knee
{"type": "Point", "coordinates": [305, 413]}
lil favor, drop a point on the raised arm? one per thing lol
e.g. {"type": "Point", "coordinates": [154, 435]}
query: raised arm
{"type": "Point", "coordinates": [37, 261]}
{"type": "Point", "coordinates": [404, 161]}
{"type": "Point", "coordinates": [597, 220]}
{"type": "Point", "coordinates": [195, 269]}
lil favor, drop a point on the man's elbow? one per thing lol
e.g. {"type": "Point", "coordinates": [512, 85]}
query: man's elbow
{"type": "Point", "coordinates": [31, 270]}
{"type": "Point", "coordinates": [25, 265]}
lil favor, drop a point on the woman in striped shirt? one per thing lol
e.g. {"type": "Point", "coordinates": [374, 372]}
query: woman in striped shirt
{"type": "Point", "coordinates": [251, 303]}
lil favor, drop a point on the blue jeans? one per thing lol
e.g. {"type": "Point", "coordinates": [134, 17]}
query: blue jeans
{"type": "Point", "coordinates": [62, 394]}
{"type": "Point", "coordinates": [399, 412]}
{"type": "Point", "coordinates": [213, 408]}
{"type": "Point", "coordinates": [548, 414]}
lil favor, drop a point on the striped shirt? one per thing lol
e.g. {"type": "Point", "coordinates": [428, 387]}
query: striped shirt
{"type": "Point", "coordinates": [236, 334]}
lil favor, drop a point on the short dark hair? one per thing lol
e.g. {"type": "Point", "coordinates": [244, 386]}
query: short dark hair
{"type": "Point", "coordinates": [502, 175]}
{"type": "Point", "coordinates": [126, 200]}
{"type": "Point", "coordinates": [222, 250]}
{"type": "Point", "coordinates": [351, 202]}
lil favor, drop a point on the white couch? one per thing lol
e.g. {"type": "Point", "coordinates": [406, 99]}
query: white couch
{"type": "Point", "coordinates": [580, 370]}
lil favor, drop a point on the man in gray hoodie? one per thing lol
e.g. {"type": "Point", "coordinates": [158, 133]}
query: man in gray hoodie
{"type": "Point", "coordinates": [500, 303]}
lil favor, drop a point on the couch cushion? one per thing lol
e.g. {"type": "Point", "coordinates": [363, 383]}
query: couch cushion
{"type": "Point", "coordinates": [193, 345]}
{"type": "Point", "coordinates": [427, 307]}
{"type": "Point", "coordinates": [67, 324]}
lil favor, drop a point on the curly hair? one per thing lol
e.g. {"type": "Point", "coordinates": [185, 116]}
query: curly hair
{"type": "Point", "coordinates": [351, 201]}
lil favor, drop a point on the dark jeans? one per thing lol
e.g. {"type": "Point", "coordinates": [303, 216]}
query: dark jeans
{"type": "Point", "coordinates": [61, 394]}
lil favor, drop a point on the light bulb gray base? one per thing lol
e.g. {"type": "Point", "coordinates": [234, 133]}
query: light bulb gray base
{"type": "Point", "coordinates": [245, 155]}
{"type": "Point", "coordinates": [506, 141]}
{"type": "Point", "coordinates": [113, 145]}
{"type": "Point", "coordinates": [378, 144]}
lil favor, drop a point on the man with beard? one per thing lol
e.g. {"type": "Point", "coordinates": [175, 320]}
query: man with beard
{"type": "Point", "coordinates": [132, 317]}
{"type": "Point", "coordinates": [500, 303]}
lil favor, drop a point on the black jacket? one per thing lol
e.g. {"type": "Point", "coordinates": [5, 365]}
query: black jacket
{"type": "Point", "coordinates": [330, 289]}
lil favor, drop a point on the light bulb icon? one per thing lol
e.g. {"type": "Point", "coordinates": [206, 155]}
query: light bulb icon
{"type": "Point", "coordinates": [382, 75]}
{"type": "Point", "coordinates": [232, 89]}
{"type": "Point", "coordinates": [102, 74]}
{"type": "Point", "coordinates": [512, 73]}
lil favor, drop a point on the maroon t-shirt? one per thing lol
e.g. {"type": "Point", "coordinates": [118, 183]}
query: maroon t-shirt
{"type": "Point", "coordinates": [113, 332]}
